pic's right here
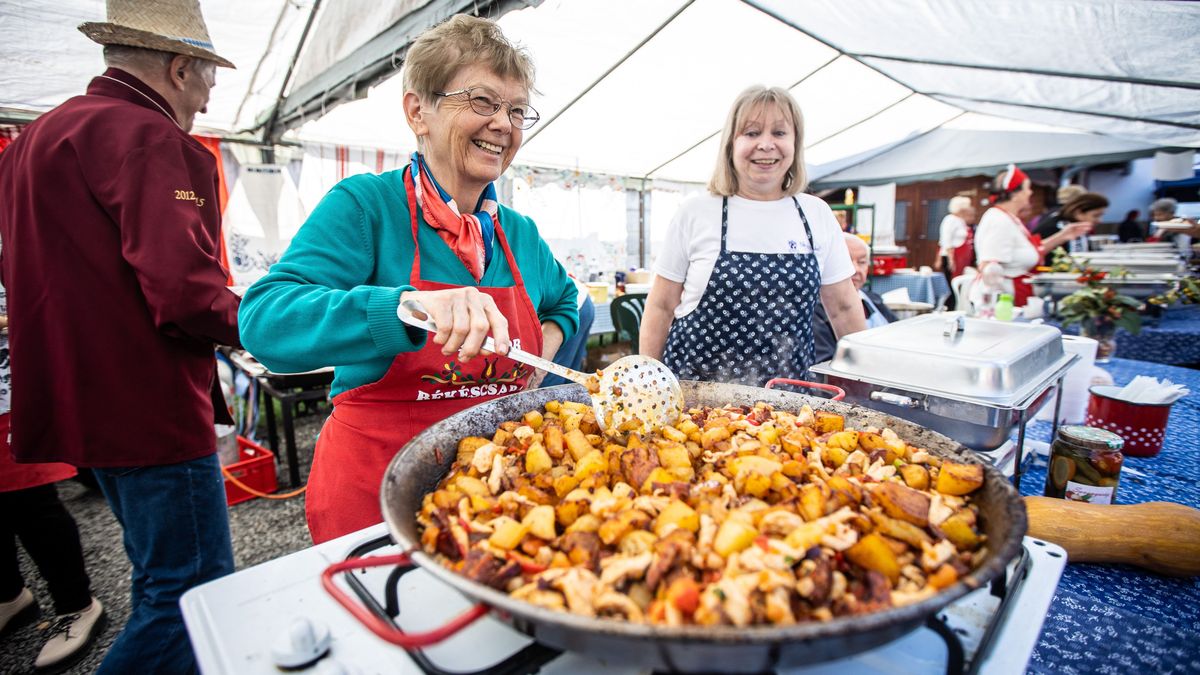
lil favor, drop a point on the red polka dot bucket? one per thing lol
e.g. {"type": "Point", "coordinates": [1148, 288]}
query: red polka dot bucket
{"type": "Point", "coordinates": [1142, 425]}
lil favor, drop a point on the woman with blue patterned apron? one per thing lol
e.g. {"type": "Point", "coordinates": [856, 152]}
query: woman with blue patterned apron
{"type": "Point", "coordinates": [733, 299]}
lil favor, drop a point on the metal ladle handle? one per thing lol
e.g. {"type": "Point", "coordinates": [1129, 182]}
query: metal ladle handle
{"type": "Point", "coordinates": [408, 309]}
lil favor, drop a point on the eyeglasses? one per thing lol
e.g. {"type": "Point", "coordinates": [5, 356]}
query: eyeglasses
{"type": "Point", "coordinates": [486, 102]}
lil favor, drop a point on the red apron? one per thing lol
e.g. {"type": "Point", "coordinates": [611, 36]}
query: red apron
{"type": "Point", "coordinates": [964, 256]}
{"type": "Point", "coordinates": [369, 424]}
{"type": "Point", "coordinates": [1022, 289]}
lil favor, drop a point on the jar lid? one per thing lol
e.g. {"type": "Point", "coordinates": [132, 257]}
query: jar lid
{"type": "Point", "coordinates": [1091, 438]}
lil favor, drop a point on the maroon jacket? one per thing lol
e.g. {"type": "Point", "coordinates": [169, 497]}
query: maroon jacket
{"type": "Point", "coordinates": [110, 225]}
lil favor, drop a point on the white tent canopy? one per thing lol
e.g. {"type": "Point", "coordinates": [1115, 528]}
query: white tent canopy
{"type": "Point", "coordinates": [640, 87]}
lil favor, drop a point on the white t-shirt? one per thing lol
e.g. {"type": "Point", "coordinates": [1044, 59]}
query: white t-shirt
{"type": "Point", "coordinates": [1001, 238]}
{"type": "Point", "coordinates": [952, 234]}
{"type": "Point", "coordinates": [694, 240]}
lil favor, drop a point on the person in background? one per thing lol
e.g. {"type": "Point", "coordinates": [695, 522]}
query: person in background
{"type": "Point", "coordinates": [1063, 195]}
{"type": "Point", "coordinates": [1086, 207]}
{"type": "Point", "coordinates": [745, 265]}
{"type": "Point", "coordinates": [876, 313]}
{"type": "Point", "coordinates": [31, 511]}
{"type": "Point", "coordinates": [572, 352]}
{"type": "Point", "coordinates": [1162, 211]}
{"type": "Point", "coordinates": [111, 226]}
{"type": "Point", "coordinates": [431, 233]}
{"type": "Point", "coordinates": [956, 239]}
{"type": "Point", "coordinates": [1006, 251]}
{"type": "Point", "coordinates": [1130, 230]}
{"type": "Point", "coordinates": [843, 219]}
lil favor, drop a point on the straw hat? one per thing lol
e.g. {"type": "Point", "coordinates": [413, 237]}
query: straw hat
{"type": "Point", "coordinates": [174, 26]}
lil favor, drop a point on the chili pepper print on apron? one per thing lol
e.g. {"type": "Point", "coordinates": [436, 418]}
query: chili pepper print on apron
{"type": "Point", "coordinates": [754, 321]}
{"type": "Point", "coordinates": [369, 424]}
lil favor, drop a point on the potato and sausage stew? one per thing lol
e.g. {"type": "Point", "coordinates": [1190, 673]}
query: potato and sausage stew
{"type": "Point", "coordinates": [736, 516]}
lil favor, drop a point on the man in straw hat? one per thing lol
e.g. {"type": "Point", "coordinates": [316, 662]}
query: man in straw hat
{"type": "Point", "coordinates": [110, 223]}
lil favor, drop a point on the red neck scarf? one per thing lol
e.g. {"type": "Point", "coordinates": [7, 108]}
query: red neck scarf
{"type": "Point", "coordinates": [469, 235]}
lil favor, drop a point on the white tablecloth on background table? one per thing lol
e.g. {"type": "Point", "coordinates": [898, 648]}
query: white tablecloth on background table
{"type": "Point", "coordinates": [921, 287]}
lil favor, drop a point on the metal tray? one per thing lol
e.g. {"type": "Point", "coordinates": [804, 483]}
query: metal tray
{"type": "Point", "coordinates": [996, 363]}
{"type": "Point", "coordinates": [1141, 263]}
{"type": "Point", "coordinates": [1141, 286]}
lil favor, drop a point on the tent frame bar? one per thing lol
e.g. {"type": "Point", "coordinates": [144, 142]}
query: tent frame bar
{"type": "Point", "coordinates": [606, 73]}
{"type": "Point", "coordinates": [1034, 106]}
{"type": "Point", "coordinates": [1033, 71]}
{"type": "Point", "coordinates": [868, 118]}
{"type": "Point", "coordinates": [287, 77]}
{"type": "Point", "coordinates": [831, 182]}
{"type": "Point", "coordinates": [700, 142]}
{"type": "Point", "coordinates": [378, 59]}
{"type": "Point", "coordinates": [859, 57]}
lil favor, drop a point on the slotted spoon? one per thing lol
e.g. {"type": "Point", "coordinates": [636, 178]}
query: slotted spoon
{"type": "Point", "coordinates": [635, 393]}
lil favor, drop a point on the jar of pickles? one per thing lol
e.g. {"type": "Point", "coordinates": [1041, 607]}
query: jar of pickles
{"type": "Point", "coordinates": [1085, 465]}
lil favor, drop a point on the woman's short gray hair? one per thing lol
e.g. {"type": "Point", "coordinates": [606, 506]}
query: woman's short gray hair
{"type": "Point", "coordinates": [461, 41]}
{"type": "Point", "coordinates": [958, 203]}
{"type": "Point", "coordinates": [1164, 205]}
{"type": "Point", "coordinates": [724, 180]}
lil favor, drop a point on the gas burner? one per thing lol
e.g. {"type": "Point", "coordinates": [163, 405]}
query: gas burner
{"type": "Point", "coordinates": [234, 621]}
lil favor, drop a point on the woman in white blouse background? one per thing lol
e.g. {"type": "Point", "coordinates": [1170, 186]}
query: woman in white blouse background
{"type": "Point", "coordinates": [1006, 251]}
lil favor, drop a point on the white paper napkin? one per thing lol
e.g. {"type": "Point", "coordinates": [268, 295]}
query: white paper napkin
{"type": "Point", "coordinates": [1144, 389]}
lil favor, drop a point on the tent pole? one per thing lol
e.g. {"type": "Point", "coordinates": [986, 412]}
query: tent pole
{"type": "Point", "coordinates": [270, 134]}
{"type": "Point", "coordinates": [258, 66]}
{"type": "Point", "coordinates": [642, 197]}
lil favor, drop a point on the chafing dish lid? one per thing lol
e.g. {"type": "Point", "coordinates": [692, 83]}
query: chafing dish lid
{"type": "Point", "coordinates": [951, 355]}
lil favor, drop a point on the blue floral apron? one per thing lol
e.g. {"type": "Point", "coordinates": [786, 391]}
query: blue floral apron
{"type": "Point", "coordinates": [755, 319]}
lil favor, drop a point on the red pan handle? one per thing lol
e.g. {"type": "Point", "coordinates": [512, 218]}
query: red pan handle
{"type": "Point", "coordinates": [838, 392]}
{"type": "Point", "coordinates": [380, 627]}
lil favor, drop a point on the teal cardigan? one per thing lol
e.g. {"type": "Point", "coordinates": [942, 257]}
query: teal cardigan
{"type": "Point", "coordinates": [331, 299]}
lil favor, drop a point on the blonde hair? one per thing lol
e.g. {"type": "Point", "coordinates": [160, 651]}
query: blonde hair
{"type": "Point", "coordinates": [958, 203]}
{"type": "Point", "coordinates": [1066, 193]}
{"type": "Point", "coordinates": [461, 41]}
{"type": "Point", "coordinates": [724, 181]}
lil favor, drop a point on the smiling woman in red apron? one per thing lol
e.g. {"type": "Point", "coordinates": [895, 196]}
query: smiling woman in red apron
{"type": "Point", "coordinates": [1003, 240]}
{"type": "Point", "coordinates": [743, 267]}
{"type": "Point", "coordinates": [377, 240]}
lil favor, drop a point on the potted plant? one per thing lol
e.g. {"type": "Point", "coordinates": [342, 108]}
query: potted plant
{"type": "Point", "coordinates": [1099, 310]}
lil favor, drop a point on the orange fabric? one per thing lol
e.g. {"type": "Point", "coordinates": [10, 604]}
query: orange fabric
{"type": "Point", "coordinates": [214, 146]}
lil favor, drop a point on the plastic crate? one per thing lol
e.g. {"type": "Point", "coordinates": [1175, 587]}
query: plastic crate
{"type": "Point", "coordinates": [884, 265]}
{"type": "Point", "coordinates": [256, 469]}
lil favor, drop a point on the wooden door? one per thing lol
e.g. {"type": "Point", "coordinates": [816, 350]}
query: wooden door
{"type": "Point", "coordinates": [924, 206]}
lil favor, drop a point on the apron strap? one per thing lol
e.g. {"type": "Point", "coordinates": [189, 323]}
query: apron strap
{"type": "Point", "coordinates": [725, 223]}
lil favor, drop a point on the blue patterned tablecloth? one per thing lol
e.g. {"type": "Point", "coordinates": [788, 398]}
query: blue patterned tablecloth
{"type": "Point", "coordinates": [1173, 339]}
{"type": "Point", "coordinates": [1115, 618]}
{"type": "Point", "coordinates": [921, 287]}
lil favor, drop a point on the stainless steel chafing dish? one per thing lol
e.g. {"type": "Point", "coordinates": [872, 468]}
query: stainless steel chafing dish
{"type": "Point", "coordinates": [1059, 285]}
{"type": "Point", "coordinates": [970, 379]}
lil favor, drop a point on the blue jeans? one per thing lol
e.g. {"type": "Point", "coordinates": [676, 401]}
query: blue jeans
{"type": "Point", "coordinates": [571, 353]}
{"type": "Point", "coordinates": [176, 536]}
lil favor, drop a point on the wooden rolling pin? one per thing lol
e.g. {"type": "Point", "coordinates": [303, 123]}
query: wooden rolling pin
{"type": "Point", "coordinates": [1160, 536]}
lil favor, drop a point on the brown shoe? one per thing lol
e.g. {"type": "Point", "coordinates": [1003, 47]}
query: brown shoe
{"type": "Point", "coordinates": [69, 637]}
{"type": "Point", "coordinates": [18, 612]}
